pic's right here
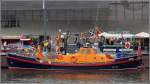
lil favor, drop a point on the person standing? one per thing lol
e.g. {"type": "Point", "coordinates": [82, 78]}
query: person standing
{"type": "Point", "coordinates": [39, 54]}
{"type": "Point", "coordinates": [49, 44]}
{"type": "Point", "coordinates": [57, 46]}
{"type": "Point", "coordinates": [5, 45]}
{"type": "Point", "coordinates": [139, 52]}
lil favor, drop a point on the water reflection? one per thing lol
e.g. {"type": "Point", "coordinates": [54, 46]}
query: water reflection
{"type": "Point", "coordinates": [79, 77]}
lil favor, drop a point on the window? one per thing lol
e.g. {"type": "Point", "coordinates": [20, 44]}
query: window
{"type": "Point", "coordinates": [9, 21]}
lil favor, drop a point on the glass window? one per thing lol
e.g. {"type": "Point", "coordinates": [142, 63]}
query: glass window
{"type": "Point", "coordinates": [9, 20]}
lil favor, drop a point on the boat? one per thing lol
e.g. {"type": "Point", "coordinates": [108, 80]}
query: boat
{"type": "Point", "coordinates": [6, 47]}
{"type": "Point", "coordinates": [11, 44]}
{"type": "Point", "coordinates": [93, 53]}
{"type": "Point", "coordinates": [86, 58]}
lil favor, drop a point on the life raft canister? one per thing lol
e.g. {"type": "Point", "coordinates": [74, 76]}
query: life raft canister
{"type": "Point", "coordinates": [127, 45]}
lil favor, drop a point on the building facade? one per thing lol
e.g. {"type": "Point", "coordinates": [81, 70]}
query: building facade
{"type": "Point", "coordinates": [26, 17]}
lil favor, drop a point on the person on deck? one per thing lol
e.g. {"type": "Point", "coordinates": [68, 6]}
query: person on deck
{"type": "Point", "coordinates": [5, 45]}
{"type": "Point", "coordinates": [57, 46]}
{"type": "Point", "coordinates": [39, 53]}
{"type": "Point", "coordinates": [49, 45]}
{"type": "Point", "coordinates": [139, 52]}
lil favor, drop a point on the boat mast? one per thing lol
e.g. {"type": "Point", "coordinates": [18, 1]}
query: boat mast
{"type": "Point", "coordinates": [44, 20]}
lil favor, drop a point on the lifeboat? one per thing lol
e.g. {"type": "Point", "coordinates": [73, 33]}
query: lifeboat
{"type": "Point", "coordinates": [85, 58]}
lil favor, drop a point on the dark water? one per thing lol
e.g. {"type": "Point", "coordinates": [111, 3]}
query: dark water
{"type": "Point", "coordinates": [75, 77]}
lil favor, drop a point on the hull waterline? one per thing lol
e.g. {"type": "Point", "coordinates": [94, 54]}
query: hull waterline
{"type": "Point", "coordinates": [31, 63]}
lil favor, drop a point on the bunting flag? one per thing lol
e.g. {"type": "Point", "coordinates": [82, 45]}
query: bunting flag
{"type": "Point", "coordinates": [91, 32]}
{"type": "Point", "coordinates": [97, 31]}
{"type": "Point", "coordinates": [93, 36]}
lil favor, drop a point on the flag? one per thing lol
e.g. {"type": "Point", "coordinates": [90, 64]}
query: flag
{"type": "Point", "coordinates": [98, 31]}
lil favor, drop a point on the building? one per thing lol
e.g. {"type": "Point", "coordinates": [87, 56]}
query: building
{"type": "Point", "coordinates": [26, 16]}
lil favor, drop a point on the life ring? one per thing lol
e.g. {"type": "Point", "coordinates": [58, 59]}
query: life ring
{"type": "Point", "coordinates": [127, 45]}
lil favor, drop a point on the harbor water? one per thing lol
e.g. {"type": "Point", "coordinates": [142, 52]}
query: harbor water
{"type": "Point", "coordinates": [140, 76]}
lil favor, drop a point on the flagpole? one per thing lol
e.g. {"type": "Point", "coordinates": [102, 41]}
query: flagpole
{"type": "Point", "coordinates": [44, 20]}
